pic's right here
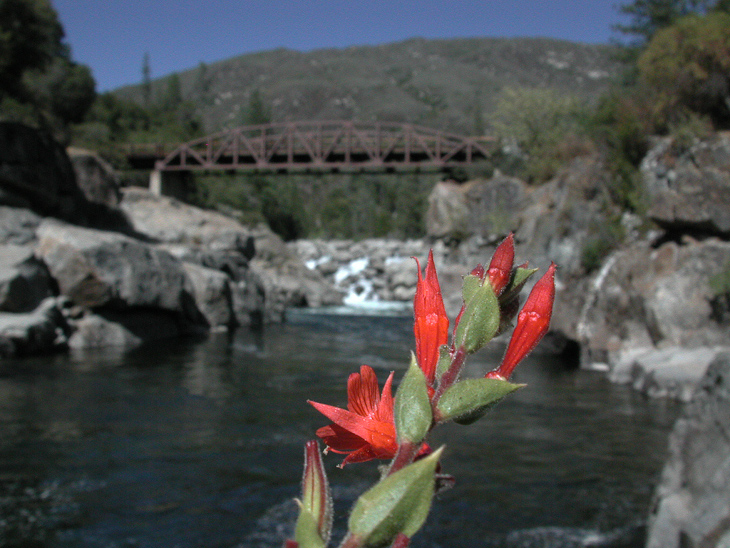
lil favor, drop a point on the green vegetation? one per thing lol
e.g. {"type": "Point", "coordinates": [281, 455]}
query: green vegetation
{"type": "Point", "coordinates": [354, 205]}
{"type": "Point", "coordinates": [40, 84]}
{"type": "Point", "coordinates": [544, 129]}
{"type": "Point", "coordinates": [720, 300]}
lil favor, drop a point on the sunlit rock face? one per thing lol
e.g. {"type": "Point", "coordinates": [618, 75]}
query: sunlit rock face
{"type": "Point", "coordinates": [692, 502]}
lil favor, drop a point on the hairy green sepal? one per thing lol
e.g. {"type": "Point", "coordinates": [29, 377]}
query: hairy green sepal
{"type": "Point", "coordinates": [398, 504]}
{"type": "Point", "coordinates": [470, 399]}
{"type": "Point", "coordinates": [412, 410]}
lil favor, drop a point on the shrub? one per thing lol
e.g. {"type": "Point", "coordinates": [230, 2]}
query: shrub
{"type": "Point", "coordinates": [687, 68]}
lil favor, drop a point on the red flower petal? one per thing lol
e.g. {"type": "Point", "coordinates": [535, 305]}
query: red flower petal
{"type": "Point", "coordinates": [362, 392]}
{"type": "Point", "coordinates": [431, 325]}
{"type": "Point", "coordinates": [532, 324]}
{"type": "Point", "coordinates": [500, 269]}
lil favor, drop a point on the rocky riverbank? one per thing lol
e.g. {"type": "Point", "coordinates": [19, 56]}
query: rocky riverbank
{"type": "Point", "coordinates": [84, 263]}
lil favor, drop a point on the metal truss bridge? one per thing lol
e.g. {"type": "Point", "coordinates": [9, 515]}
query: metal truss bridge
{"type": "Point", "coordinates": [325, 146]}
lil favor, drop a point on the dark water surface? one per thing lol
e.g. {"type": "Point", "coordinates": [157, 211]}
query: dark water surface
{"type": "Point", "coordinates": [199, 444]}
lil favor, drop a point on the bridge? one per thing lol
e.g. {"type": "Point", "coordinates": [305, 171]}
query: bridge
{"type": "Point", "coordinates": [315, 146]}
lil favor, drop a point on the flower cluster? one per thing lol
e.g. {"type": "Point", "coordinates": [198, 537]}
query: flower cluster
{"type": "Point", "coordinates": [376, 425]}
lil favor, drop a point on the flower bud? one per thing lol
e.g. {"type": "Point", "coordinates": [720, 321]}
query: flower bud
{"type": "Point", "coordinates": [468, 400]}
{"type": "Point", "coordinates": [314, 524]}
{"type": "Point", "coordinates": [500, 268]}
{"type": "Point", "coordinates": [533, 322]}
{"type": "Point", "coordinates": [397, 505]}
{"type": "Point", "coordinates": [412, 409]}
{"type": "Point", "coordinates": [480, 317]}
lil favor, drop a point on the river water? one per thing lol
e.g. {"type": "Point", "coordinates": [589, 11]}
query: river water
{"type": "Point", "coordinates": [199, 443]}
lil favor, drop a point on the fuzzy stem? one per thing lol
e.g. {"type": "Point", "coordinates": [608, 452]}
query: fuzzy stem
{"type": "Point", "coordinates": [407, 451]}
{"type": "Point", "coordinates": [448, 378]}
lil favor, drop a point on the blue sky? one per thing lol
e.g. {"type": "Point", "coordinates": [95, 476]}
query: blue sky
{"type": "Point", "coordinates": [112, 36]}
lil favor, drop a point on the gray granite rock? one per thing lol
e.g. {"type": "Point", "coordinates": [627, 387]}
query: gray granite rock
{"type": "Point", "coordinates": [692, 501]}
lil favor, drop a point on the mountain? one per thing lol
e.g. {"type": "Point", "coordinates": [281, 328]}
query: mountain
{"type": "Point", "coordinates": [447, 84]}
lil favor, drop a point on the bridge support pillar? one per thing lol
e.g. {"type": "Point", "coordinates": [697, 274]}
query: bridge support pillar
{"type": "Point", "coordinates": [175, 184]}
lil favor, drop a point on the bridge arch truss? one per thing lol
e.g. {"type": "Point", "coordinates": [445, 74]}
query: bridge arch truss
{"type": "Point", "coordinates": [329, 145]}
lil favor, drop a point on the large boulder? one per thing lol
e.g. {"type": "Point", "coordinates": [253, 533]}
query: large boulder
{"type": "Point", "coordinates": [95, 178]}
{"type": "Point", "coordinates": [486, 208]}
{"type": "Point", "coordinates": [24, 280]}
{"type": "Point", "coordinates": [165, 219]}
{"type": "Point", "coordinates": [653, 298]}
{"type": "Point", "coordinates": [212, 293]}
{"type": "Point", "coordinates": [95, 268]}
{"type": "Point", "coordinates": [448, 211]}
{"type": "Point", "coordinates": [689, 192]}
{"type": "Point", "coordinates": [35, 173]}
{"type": "Point", "coordinates": [692, 501]}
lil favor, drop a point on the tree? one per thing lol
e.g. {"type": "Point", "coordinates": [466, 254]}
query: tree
{"type": "Point", "coordinates": [687, 68]}
{"type": "Point", "coordinates": [173, 93]}
{"type": "Point", "coordinates": [649, 16]}
{"type": "Point", "coordinates": [146, 80]}
{"type": "Point", "coordinates": [257, 112]}
{"type": "Point", "coordinates": [30, 38]}
{"type": "Point", "coordinates": [65, 90]}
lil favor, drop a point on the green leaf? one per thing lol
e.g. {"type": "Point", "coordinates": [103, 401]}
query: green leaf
{"type": "Point", "coordinates": [413, 416]}
{"type": "Point", "coordinates": [468, 400]}
{"type": "Point", "coordinates": [397, 504]}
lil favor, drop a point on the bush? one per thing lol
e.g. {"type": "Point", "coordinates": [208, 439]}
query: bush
{"type": "Point", "coordinates": [687, 68]}
{"type": "Point", "coordinates": [543, 127]}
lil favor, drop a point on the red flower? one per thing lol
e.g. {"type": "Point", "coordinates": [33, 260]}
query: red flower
{"type": "Point", "coordinates": [431, 325]}
{"type": "Point", "coordinates": [500, 269]}
{"type": "Point", "coordinates": [532, 323]}
{"type": "Point", "coordinates": [366, 430]}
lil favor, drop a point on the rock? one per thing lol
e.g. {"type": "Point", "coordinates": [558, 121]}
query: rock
{"type": "Point", "coordinates": [673, 372]}
{"type": "Point", "coordinates": [38, 332]}
{"type": "Point", "coordinates": [94, 331]}
{"type": "Point", "coordinates": [692, 501]}
{"type": "Point", "coordinates": [24, 280]}
{"type": "Point", "coordinates": [17, 225]}
{"type": "Point", "coordinates": [645, 297]}
{"type": "Point", "coordinates": [35, 173]}
{"type": "Point", "coordinates": [690, 192]}
{"type": "Point", "coordinates": [487, 208]}
{"type": "Point", "coordinates": [256, 259]}
{"type": "Point", "coordinates": [96, 178]}
{"type": "Point", "coordinates": [212, 294]}
{"type": "Point", "coordinates": [448, 211]}
{"type": "Point", "coordinates": [95, 268]}
{"type": "Point", "coordinates": [165, 219]}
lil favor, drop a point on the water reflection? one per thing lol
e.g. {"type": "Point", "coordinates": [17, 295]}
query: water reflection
{"type": "Point", "coordinates": [198, 443]}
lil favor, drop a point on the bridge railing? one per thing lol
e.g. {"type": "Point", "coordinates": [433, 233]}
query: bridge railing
{"type": "Point", "coordinates": [325, 144]}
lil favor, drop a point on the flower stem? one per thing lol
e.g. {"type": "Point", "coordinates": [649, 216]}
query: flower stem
{"type": "Point", "coordinates": [407, 451]}
{"type": "Point", "coordinates": [448, 378]}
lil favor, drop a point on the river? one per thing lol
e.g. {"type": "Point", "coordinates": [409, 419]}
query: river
{"type": "Point", "coordinates": [198, 443]}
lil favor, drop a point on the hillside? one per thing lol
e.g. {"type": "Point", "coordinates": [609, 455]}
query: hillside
{"type": "Point", "coordinates": [448, 84]}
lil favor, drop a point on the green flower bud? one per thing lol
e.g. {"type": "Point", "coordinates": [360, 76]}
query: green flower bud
{"type": "Point", "coordinates": [516, 283]}
{"type": "Point", "coordinates": [412, 411]}
{"type": "Point", "coordinates": [468, 400]}
{"type": "Point", "coordinates": [315, 509]}
{"type": "Point", "coordinates": [398, 504]}
{"type": "Point", "coordinates": [307, 532]}
{"type": "Point", "coordinates": [480, 317]}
